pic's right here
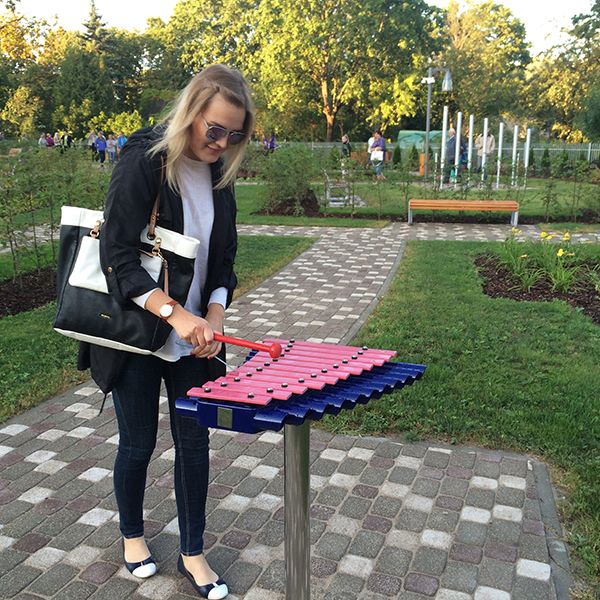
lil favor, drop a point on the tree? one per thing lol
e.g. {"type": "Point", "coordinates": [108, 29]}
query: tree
{"type": "Point", "coordinates": [21, 112]}
{"type": "Point", "coordinates": [95, 36]}
{"type": "Point", "coordinates": [560, 80]}
{"type": "Point", "coordinates": [487, 55]}
{"type": "Point", "coordinates": [589, 118]}
{"type": "Point", "coordinates": [82, 90]}
{"type": "Point", "coordinates": [334, 54]}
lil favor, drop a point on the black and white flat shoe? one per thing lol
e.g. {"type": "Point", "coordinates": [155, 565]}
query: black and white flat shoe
{"type": "Point", "coordinates": [144, 569]}
{"type": "Point", "coordinates": [211, 591]}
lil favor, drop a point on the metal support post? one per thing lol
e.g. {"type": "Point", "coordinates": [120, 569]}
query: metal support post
{"type": "Point", "coordinates": [499, 164]}
{"type": "Point", "coordinates": [297, 513]}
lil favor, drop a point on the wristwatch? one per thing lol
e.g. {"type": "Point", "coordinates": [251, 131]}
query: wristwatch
{"type": "Point", "coordinates": [166, 310]}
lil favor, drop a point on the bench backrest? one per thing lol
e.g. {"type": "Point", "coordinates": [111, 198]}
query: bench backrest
{"type": "Point", "coordinates": [447, 204]}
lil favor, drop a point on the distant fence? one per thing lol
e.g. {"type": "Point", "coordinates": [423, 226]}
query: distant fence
{"type": "Point", "coordinates": [575, 152]}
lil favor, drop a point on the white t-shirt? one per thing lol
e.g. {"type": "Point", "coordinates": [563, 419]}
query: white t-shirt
{"type": "Point", "coordinates": [195, 186]}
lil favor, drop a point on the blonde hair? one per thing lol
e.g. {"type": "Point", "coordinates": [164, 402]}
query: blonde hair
{"type": "Point", "coordinates": [195, 98]}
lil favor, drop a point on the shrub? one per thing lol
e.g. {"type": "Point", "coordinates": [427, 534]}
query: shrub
{"type": "Point", "coordinates": [545, 163]}
{"type": "Point", "coordinates": [397, 157]}
{"type": "Point", "coordinates": [287, 174]}
{"type": "Point", "coordinates": [562, 165]}
{"type": "Point", "coordinates": [252, 162]}
{"type": "Point", "coordinates": [531, 161]}
{"type": "Point", "coordinates": [414, 158]}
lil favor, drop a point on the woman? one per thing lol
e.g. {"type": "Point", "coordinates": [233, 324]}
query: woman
{"type": "Point", "coordinates": [378, 150]}
{"type": "Point", "coordinates": [346, 147]}
{"type": "Point", "coordinates": [201, 146]}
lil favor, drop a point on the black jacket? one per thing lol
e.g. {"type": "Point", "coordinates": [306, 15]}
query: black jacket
{"type": "Point", "coordinates": [131, 195]}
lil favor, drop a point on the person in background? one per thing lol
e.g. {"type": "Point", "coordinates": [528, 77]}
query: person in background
{"type": "Point", "coordinates": [49, 141]}
{"type": "Point", "coordinates": [378, 150]}
{"type": "Point", "coordinates": [111, 148]}
{"type": "Point", "coordinates": [346, 147]}
{"type": "Point", "coordinates": [370, 147]}
{"type": "Point", "coordinates": [452, 170]}
{"type": "Point", "coordinates": [91, 143]}
{"type": "Point", "coordinates": [121, 139]}
{"type": "Point", "coordinates": [101, 148]}
{"type": "Point", "coordinates": [198, 149]}
{"type": "Point", "coordinates": [42, 141]}
{"type": "Point", "coordinates": [488, 147]}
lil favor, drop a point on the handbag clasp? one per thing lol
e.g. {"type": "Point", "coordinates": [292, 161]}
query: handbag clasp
{"type": "Point", "coordinates": [156, 247]}
{"type": "Point", "coordinates": [96, 230]}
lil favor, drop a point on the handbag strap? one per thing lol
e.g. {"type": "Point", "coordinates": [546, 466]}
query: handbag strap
{"type": "Point", "coordinates": [154, 214]}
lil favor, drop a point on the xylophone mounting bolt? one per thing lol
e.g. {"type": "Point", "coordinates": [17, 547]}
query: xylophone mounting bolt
{"type": "Point", "coordinates": [313, 375]}
{"type": "Point", "coordinates": [248, 374]}
{"type": "Point", "coordinates": [292, 340]}
{"type": "Point", "coordinates": [259, 369]}
{"type": "Point", "coordinates": [269, 390]}
{"type": "Point", "coordinates": [236, 378]}
{"type": "Point", "coordinates": [345, 361]}
{"type": "Point", "coordinates": [250, 395]}
{"type": "Point", "coordinates": [267, 364]}
{"type": "Point", "coordinates": [207, 390]}
{"type": "Point", "coordinates": [365, 347]}
{"type": "Point", "coordinates": [360, 352]}
{"type": "Point", "coordinates": [223, 384]}
{"type": "Point", "coordinates": [284, 385]}
{"type": "Point", "coordinates": [336, 366]}
{"type": "Point", "coordinates": [301, 380]}
{"type": "Point", "coordinates": [323, 370]}
{"type": "Point", "coordinates": [354, 357]}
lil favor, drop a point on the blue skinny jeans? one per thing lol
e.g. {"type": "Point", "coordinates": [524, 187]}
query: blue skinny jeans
{"type": "Point", "coordinates": [136, 397]}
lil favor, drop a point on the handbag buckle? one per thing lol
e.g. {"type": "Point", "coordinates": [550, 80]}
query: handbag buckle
{"type": "Point", "coordinates": [95, 232]}
{"type": "Point", "coordinates": [156, 247]}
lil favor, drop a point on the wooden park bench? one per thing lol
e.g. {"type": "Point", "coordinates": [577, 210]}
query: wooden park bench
{"type": "Point", "coordinates": [511, 206]}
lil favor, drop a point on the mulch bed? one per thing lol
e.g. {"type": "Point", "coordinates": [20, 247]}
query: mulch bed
{"type": "Point", "coordinates": [27, 291]}
{"type": "Point", "coordinates": [499, 283]}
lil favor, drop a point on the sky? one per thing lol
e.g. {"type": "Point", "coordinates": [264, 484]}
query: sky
{"type": "Point", "coordinates": [543, 18]}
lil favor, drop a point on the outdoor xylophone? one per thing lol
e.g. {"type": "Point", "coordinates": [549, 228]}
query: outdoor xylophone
{"type": "Point", "coordinates": [286, 384]}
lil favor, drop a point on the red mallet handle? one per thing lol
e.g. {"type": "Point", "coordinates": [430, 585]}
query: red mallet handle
{"type": "Point", "coordinates": [274, 350]}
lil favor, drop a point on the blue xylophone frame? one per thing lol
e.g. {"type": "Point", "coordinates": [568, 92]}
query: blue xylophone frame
{"type": "Point", "coordinates": [313, 405]}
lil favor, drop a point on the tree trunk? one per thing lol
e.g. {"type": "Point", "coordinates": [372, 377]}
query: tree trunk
{"type": "Point", "coordinates": [330, 126]}
{"type": "Point", "coordinates": [329, 110]}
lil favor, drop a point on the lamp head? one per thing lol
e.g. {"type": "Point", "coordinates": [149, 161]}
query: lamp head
{"type": "Point", "coordinates": [447, 82]}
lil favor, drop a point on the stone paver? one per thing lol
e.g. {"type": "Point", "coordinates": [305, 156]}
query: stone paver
{"type": "Point", "coordinates": [389, 519]}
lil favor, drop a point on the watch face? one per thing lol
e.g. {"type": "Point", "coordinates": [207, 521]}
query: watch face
{"type": "Point", "coordinates": [166, 310]}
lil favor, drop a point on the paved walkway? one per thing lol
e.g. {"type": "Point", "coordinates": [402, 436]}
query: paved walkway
{"type": "Point", "coordinates": [389, 519]}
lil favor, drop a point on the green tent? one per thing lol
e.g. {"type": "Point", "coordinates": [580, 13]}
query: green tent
{"type": "Point", "coordinates": [408, 139]}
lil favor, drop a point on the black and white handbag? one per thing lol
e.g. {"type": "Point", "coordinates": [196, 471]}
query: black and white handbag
{"type": "Point", "coordinates": [86, 311]}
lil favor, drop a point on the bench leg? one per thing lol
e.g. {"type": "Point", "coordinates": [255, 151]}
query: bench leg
{"type": "Point", "coordinates": [410, 216]}
{"type": "Point", "coordinates": [514, 221]}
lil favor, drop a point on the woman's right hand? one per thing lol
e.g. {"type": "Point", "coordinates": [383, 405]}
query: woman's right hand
{"type": "Point", "coordinates": [191, 328]}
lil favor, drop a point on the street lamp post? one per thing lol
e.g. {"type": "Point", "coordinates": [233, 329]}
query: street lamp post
{"type": "Point", "coordinates": [446, 87]}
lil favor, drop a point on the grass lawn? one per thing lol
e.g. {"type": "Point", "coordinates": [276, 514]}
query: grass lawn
{"type": "Point", "coordinates": [388, 199]}
{"type": "Point", "coordinates": [572, 227]}
{"type": "Point", "coordinates": [36, 362]}
{"type": "Point", "coordinates": [249, 199]}
{"type": "Point", "coordinates": [501, 373]}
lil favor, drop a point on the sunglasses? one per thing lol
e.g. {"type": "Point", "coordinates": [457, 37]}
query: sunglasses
{"type": "Point", "coordinates": [215, 133]}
